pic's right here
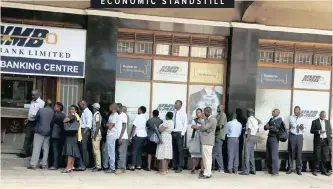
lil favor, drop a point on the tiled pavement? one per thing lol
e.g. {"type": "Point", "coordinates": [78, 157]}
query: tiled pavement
{"type": "Point", "coordinates": [15, 175]}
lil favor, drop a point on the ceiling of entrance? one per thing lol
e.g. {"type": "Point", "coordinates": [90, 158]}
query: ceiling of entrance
{"type": "Point", "coordinates": [300, 14]}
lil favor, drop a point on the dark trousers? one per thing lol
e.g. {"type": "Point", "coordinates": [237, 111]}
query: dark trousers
{"type": "Point", "coordinates": [178, 150]}
{"type": "Point", "coordinates": [105, 156]}
{"type": "Point", "coordinates": [295, 146]}
{"type": "Point", "coordinates": [321, 155]}
{"type": "Point", "coordinates": [137, 151]}
{"type": "Point", "coordinates": [55, 142]}
{"type": "Point", "coordinates": [84, 162]}
{"type": "Point", "coordinates": [29, 138]}
{"type": "Point", "coordinates": [217, 154]}
{"type": "Point", "coordinates": [272, 154]}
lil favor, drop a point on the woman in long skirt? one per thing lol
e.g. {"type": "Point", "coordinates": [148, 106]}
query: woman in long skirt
{"type": "Point", "coordinates": [71, 148]}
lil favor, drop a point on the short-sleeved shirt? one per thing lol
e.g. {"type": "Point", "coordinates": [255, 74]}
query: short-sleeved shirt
{"type": "Point", "coordinates": [196, 123]}
{"type": "Point", "coordinates": [252, 123]}
{"type": "Point", "coordinates": [140, 125]}
{"type": "Point", "coordinates": [122, 119]}
{"type": "Point", "coordinates": [34, 107]}
{"type": "Point", "coordinates": [113, 118]}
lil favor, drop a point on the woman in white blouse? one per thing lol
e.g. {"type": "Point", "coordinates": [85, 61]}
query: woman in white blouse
{"type": "Point", "coordinates": [138, 137]}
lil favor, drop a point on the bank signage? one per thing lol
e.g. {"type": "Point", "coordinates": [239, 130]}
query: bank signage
{"type": "Point", "coordinates": [312, 79]}
{"type": "Point", "coordinates": [206, 73]}
{"type": "Point", "coordinates": [39, 50]}
{"type": "Point", "coordinates": [274, 77]}
{"type": "Point", "coordinates": [131, 68]}
{"type": "Point", "coordinates": [170, 70]}
{"type": "Point", "coordinates": [311, 103]}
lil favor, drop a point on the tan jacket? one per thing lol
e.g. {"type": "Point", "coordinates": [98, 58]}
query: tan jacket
{"type": "Point", "coordinates": [207, 131]}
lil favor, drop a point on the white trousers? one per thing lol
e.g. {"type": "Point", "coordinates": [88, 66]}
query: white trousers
{"type": "Point", "coordinates": [207, 159]}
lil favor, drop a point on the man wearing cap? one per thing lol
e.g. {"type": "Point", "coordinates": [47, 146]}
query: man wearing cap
{"type": "Point", "coordinates": [252, 128]}
{"type": "Point", "coordinates": [96, 136]}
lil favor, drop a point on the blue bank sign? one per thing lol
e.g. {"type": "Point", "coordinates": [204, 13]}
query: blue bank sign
{"type": "Point", "coordinates": [274, 77]}
{"type": "Point", "coordinates": [133, 68]}
{"type": "Point", "coordinates": [46, 51]}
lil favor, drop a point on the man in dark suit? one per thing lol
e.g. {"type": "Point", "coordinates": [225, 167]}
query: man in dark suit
{"type": "Point", "coordinates": [57, 125]}
{"type": "Point", "coordinates": [322, 142]}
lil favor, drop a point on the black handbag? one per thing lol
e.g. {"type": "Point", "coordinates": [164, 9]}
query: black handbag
{"type": "Point", "coordinates": [72, 126]}
{"type": "Point", "coordinates": [282, 134]}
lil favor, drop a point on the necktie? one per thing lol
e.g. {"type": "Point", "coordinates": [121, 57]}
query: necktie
{"type": "Point", "coordinates": [175, 120]}
{"type": "Point", "coordinates": [297, 127]}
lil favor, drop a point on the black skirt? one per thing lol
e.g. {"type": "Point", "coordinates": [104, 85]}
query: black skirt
{"type": "Point", "coordinates": [71, 147]}
{"type": "Point", "coordinates": [150, 147]}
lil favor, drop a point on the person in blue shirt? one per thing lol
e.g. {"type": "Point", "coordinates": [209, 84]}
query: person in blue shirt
{"type": "Point", "coordinates": [234, 130]}
{"type": "Point", "coordinates": [86, 125]}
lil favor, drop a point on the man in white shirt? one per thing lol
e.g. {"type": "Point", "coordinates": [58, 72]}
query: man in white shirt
{"type": "Point", "coordinates": [122, 141]}
{"type": "Point", "coordinates": [86, 125]}
{"type": "Point", "coordinates": [138, 136]}
{"type": "Point", "coordinates": [252, 128]}
{"type": "Point", "coordinates": [35, 105]}
{"type": "Point", "coordinates": [112, 136]}
{"type": "Point", "coordinates": [180, 127]}
{"type": "Point", "coordinates": [295, 141]}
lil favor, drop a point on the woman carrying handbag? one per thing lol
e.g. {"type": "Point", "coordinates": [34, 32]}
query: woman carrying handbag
{"type": "Point", "coordinates": [72, 136]}
{"type": "Point", "coordinates": [194, 144]}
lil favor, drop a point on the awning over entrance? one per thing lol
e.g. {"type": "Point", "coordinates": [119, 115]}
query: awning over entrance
{"type": "Point", "coordinates": [298, 14]}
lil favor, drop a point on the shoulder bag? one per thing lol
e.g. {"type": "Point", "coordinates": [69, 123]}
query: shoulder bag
{"type": "Point", "coordinates": [194, 143]}
{"type": "Point", "coordinates": [72, 126]}
{"type": "Point", "coordinates": [282, 134]}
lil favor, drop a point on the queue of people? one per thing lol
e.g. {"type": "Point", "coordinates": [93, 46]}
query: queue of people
{"type": "Point", "coordinates": [47, 127]}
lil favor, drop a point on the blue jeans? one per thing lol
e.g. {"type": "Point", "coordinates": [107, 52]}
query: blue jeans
{"type": "Point", "coordinates": [111, 142]}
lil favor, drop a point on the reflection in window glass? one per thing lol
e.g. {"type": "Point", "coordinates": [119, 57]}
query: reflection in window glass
{"type": "Point", "coordinates": [199, 52]}
{"type": "Point", "coordinates": [265, 56]}
{"type": "Point", "coordinates": [180, 50]}
{"type": "Point", "coordinates": [284, 57]}
{"type": "Point", "coordinates": [15, 93]}
{"type": "Point", "coordinates": [323, 60]}
{"type": "Point", "coordinates": [143, 48]}
{"type": "Point", "coordinates": [216, 52]}
{"type": "Point", "coordinates": [163, 49]}
{"type": "Point", "coordinates": [303, 59]}
{"type": "Point", "coordinates": [125, 46]}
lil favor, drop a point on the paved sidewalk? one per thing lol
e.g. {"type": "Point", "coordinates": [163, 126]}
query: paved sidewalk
{"type": "Point", "coordinates": [14, 174]}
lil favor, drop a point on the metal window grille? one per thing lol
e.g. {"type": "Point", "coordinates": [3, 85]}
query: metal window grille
{"type": "Point", "coordinates": [70, 92]}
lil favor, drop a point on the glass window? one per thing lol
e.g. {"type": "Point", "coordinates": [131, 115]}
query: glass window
{"type": "Point", "coordinates": [216, 52]}
{"type": "Point", "coordinates": [265, 56]}
{"type": "Point", "coordinates": [180, 50]}
{"type": "Point", "coordinates": [15, 93]}
{"type": "Point", "coordinates": [284, 57]}
{"type": "Point", "coordinates": [199, 52]}
{"type": "Point", "coordinates": [125, 46]}
{"type": "Point", "coordinates": [323, 60]}
{"type": "Point", "coordinates": [163, 49]}
{"type": "Point", "coordinates": [143, 48]}
{"type": "Point", "coordinates": [303, 59]}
